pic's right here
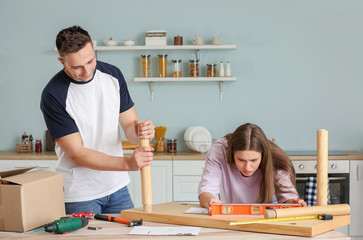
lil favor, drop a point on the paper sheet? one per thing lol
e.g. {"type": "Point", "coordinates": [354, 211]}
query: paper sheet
{"type": "Point", "coordinates": [197, 210]}
{"type": "Point", "coordinates": [177, 231]}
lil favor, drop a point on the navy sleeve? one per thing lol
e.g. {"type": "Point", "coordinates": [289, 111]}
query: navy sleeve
{"type": "Point", "coordinates": [125, 99]}
{"type": "Point", "coordinates": [53, 104]}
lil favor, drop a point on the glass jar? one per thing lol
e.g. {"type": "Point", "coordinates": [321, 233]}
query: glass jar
{"type": "Point", "coordinates": [159, 145]}
{"type": "Point", "coordinates": [194, 68]}
{"type": "Point", "coordinates": [171, 145]}
{"type": "Point", "coordinates": [163, 63]}
{"type": "Point", "coordinates": [177, 68]}
{"type": "Point", "coordinates": [145, 65]}
{"type": "Point", "coordinates": [211, 70]}
{"type": "Point", "coordinates": [38, 145]}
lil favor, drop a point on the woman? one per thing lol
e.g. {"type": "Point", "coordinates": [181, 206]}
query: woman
{"type": "Point", "coordinates": [245, 167]}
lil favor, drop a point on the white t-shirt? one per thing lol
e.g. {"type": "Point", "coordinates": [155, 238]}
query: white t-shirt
{"type": "Point", "coordinates": [91, 108]}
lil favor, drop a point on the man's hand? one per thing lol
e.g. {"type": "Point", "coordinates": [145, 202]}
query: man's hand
{"type": "Point", "coordinates": [141, 157]}
{"type": "Point", "coordinates": [145, 130]}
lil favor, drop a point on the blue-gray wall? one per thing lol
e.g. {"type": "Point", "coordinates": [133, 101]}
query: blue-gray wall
{"type": "Point", "coordinates": [298, 65]}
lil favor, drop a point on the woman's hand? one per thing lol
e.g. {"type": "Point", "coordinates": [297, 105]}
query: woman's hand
{"type": "Point", "coordinates": [211, 201]}
{"type": "Point", "coordinates": [298, 201]}
{"type": "Point", "coordinates": [206, 199]}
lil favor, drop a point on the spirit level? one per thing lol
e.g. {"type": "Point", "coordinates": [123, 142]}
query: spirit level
{"type": "Point", "coordinates": [246, 209]}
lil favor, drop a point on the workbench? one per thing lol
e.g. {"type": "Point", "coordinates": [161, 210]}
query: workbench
{"type": "Point", "coordinates": [112, 230]}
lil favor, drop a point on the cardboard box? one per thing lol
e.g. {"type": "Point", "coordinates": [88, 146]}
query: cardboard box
{"type": "Point", "coordinates": [30, 200]}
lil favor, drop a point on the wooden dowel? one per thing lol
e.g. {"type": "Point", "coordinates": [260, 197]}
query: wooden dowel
{"type": "Point", "coordinates": [146, 190]}
{"type": "Point", "coordinates": [322, 168]}
{"type": "Point", "coordinates": [338, 209]}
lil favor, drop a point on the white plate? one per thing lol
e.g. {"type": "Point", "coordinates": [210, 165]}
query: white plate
{"type": "Point", "coordinates": [201, 139]}
{"type": "Point", "coordinates": [198, 139]}
{"type": "Point", "coordinates": [187, 138]}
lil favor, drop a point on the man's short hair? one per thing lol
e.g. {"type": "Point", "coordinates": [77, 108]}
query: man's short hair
{"type": "Point", "coordinates": [72, 39]}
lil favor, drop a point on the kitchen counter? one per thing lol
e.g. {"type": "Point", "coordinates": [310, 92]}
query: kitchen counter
{"type": "Point", "coordinates": [13, 155]}
{"type": "Point", "coordinates": [112, 230]}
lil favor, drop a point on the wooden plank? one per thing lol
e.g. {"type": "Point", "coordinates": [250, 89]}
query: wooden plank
{"type": "Point", "coordinates": [173, 213]}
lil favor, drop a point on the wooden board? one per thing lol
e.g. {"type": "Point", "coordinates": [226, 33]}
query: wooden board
{"type": "Point", "coordinates": [173, 213]}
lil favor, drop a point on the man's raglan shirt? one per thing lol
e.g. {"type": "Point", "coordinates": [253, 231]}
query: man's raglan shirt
{"type": "Point", "coordinates": [91, 108]}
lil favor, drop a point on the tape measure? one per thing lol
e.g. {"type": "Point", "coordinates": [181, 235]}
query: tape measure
{"type": "Point", "coordinates": [320, 216]}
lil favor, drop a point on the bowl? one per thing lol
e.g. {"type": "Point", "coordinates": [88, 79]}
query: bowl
{"type": "Point", "coordinates": [129, 42]}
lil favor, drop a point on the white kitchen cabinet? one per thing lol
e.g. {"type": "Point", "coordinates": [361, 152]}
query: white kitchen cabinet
{"type": "Point", "coordinates": [161, 177]}
{"type": "Point", "coordinates": [355, 199]}
{"type": "Point", "coordinates": [186, 177]}
{"type": "Point", "coordinates": [17, 164]}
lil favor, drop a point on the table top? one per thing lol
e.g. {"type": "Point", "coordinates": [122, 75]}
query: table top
{"type": "Point", "coordinates": [112, 230]}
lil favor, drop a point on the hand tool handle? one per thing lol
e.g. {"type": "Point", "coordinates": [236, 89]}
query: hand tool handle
{"type": "Point", "coordinates": [338, 209]}
{"type": "Point", "coordinates": [322, 168]}
{"type": "Point", "coordinates": [146, 190]}
{"type": "Point", "coordinates": [110, 218]}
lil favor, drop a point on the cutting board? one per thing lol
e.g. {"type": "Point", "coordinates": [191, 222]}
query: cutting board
{"type": "Point", "coordinates": [173, 213]}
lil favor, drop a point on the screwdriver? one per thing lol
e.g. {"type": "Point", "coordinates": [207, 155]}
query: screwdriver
{"type": "Point", "coordinates": [129, 223]}
{"type": "Point", "coordinates": [65, 225]}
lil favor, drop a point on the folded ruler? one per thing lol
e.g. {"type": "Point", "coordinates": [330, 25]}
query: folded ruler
{"type": "Point", "coordinates": [246, 209]}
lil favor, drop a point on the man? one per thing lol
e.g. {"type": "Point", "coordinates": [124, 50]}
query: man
{"type": "Point", "coordinates": [83, 106]}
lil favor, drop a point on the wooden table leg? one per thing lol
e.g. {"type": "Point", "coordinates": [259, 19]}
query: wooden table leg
{"type": "Point", "coordinates": [322, 168]}
{"type": "Point", "coordinates": [146, 190]}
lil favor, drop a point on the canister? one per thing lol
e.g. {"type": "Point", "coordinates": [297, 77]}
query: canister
{"type": "Point", "coordinates": [178, 40]}
{"type": "Point", "coordinates": [211, 70]}
{"type": "Point", "coordinates": [194, 67]}
{"type": "Point", "coordinates": [163, 63]}
{"type": "Point", "coordinates": [177, 68]}
{"type": "Point", "coordinates": [145, 65]}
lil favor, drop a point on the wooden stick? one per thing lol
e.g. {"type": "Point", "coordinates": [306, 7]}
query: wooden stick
{"type": "Point", "coordinates": [338, 209]}
{"type": "Point", "coordinates": [322, 168]}
{"type": "Point", "coordinates": [146, 190]}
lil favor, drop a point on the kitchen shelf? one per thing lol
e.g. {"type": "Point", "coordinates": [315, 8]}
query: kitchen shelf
{"type": "Point", "coordinates": [185, 79]}
{"type": "Point", "coordinates": [151, 80]}
{"type": "Point", "coordinates": [166, 47]}
{"type": "Point", "coordinates": [197, 49]}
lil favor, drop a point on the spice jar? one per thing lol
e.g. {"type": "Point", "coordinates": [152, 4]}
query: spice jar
{"type": "Point", "coordinates": [211, 70]}
{"type": "Point", "coordinates": [171, 145]}
{"type": "Point", "coordinates": [145, 65]}
{"type": "Point", "coordinates": [194, 68]}
{"type": "Point", "coordinates": [163, 62]}
{"type": "Point", "coordinates": [177, 68]}
{"type": "Point", "coordinates": [38, 145]}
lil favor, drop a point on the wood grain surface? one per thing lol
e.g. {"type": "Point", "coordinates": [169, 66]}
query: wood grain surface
{"type": "Point", "coordinates": [173, 213]}
{"type": "Point", "coordinates": [112, 230]}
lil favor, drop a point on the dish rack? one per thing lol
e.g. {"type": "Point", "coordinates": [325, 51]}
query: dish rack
{"type": "Point", "coordinates": [198, 139]}
{"type": "Point", "coordinates": [199, 146]}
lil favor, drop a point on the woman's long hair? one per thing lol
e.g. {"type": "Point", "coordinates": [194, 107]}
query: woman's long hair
{"type": "Point", "coordinates": [251, 137]}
